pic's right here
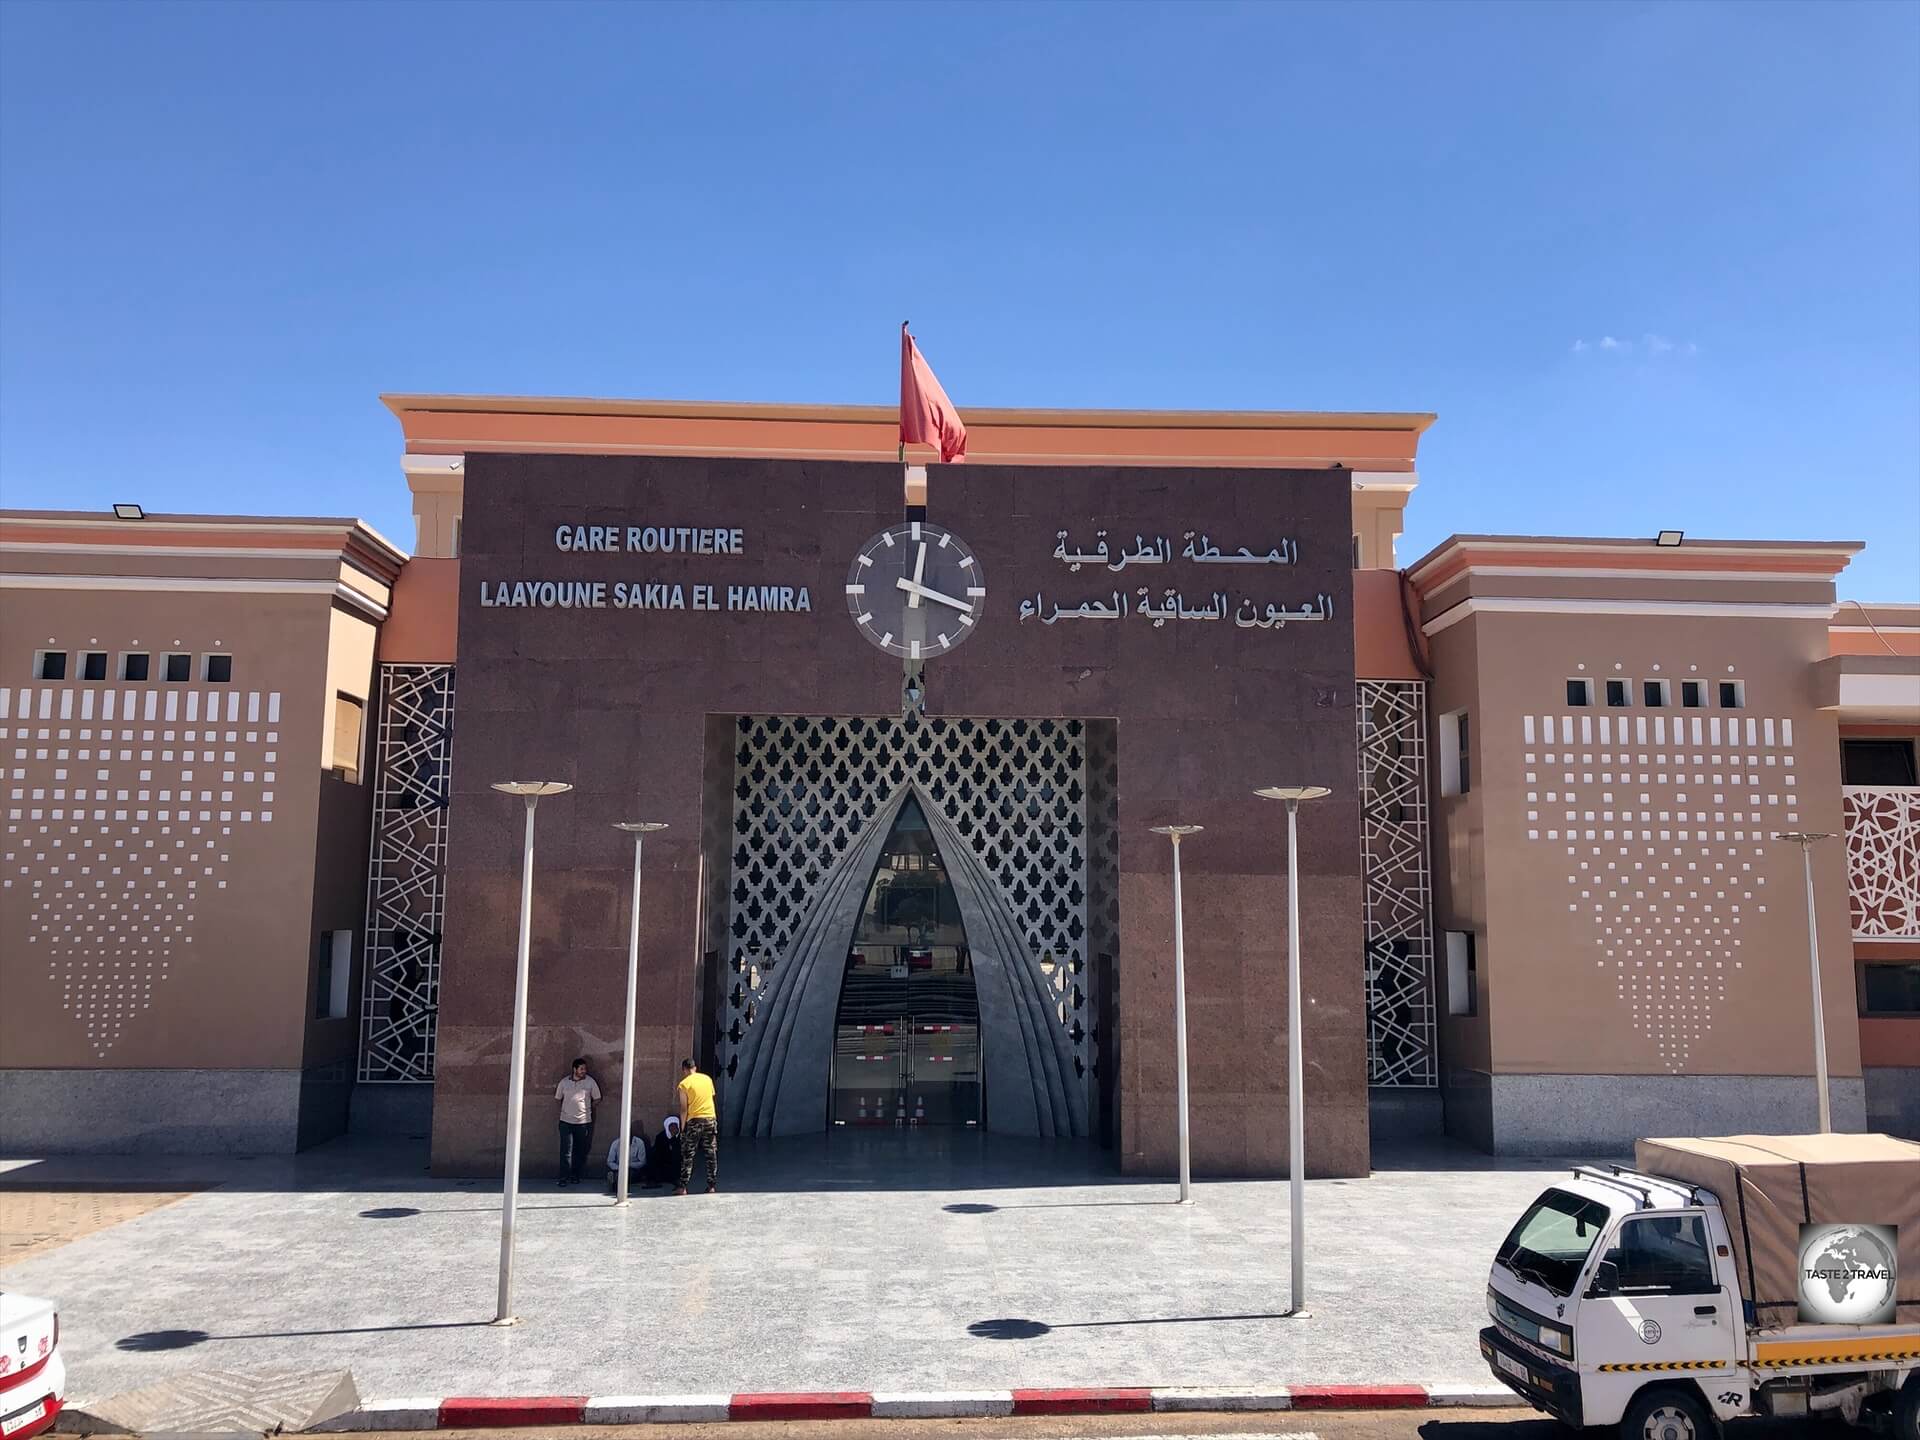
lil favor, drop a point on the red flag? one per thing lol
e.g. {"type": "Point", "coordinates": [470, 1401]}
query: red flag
{"type": "Point", "coordinates": [927, 417]}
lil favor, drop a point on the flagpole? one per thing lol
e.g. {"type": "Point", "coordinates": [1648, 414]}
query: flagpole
{"type": "Point", "coordinates": [903, 394]}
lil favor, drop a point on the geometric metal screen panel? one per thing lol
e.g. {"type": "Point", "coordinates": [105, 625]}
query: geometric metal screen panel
{"type": "Point", "coordinates": [407, 874]}
{"type": "Point", "coordinates": [806, 786]}
{"type": "Point", "coordinates": [1883, 860]}
{"type": "Point", "coordinates": [1401, 1047]}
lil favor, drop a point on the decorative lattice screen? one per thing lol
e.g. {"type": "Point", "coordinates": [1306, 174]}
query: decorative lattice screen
{"type": "Point", "coordinates": [1883, 860]}
{"type": "Point", "coordinates": [804, 788]}
{"type": "Point", "coordinates": [1399, 916]}
{"type": "Point", "coordinates": [407, 873]}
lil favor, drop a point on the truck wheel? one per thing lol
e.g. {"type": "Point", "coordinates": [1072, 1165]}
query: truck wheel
{"type": "Point", "coordinates": [1906, 1409]}
{"type": "Point", "coordinates": [1667, 1414]}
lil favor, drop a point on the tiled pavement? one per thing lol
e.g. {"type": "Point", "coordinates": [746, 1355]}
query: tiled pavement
{"type": "Point", "coordinates": [879, 1262]}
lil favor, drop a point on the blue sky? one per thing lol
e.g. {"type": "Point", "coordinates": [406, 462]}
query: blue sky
{"type": "Point", "coordinates": [224, 229]}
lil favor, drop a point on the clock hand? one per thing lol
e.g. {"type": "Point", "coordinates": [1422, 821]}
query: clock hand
{"type": "Point", "coordinates": [919, 573]}
{"type": "Point", "coordinates": [914, 591]}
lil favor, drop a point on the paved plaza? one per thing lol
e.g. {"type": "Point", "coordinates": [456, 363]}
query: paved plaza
{"type": "Point", "coordinates": [872, 1261]}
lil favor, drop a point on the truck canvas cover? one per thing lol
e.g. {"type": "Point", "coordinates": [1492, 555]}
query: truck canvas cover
{"type": "Point", "coordinates": [1769, 1185]}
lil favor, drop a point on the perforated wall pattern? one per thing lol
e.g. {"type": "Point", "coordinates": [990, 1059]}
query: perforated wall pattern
{"type": "Point", "coordinates": [122, 811]}
{"type": "Point", "coordinates": [1664, 819]}
{"type": "Point", "coordinates": [805, 787]}
{"type": "Point", "coordinates": [407, 873]}
{"type": "Point", "coordinates": [1883, 860]}
{"type": "Point", "coordinates": [1401, 1049]}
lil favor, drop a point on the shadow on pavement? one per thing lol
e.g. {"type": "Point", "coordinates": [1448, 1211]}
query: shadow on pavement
{"type": "Point", "coordinates": [835, 1161]}
{"type": "Point", "coordinates": [1011, 1328]}
{"type": "Point", "coordinates": [148, 1341]}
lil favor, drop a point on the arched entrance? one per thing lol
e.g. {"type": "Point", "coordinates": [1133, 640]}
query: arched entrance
{"type": "Point", "coordinates": [906, 1047]}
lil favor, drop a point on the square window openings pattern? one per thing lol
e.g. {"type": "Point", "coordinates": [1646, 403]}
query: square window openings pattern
{"type": "Point", "coordinates": [1664, 821]}
{"type": "Point", "coordinates": [123, 810]}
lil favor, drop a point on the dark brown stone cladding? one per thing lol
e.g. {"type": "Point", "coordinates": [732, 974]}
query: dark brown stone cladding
{"type": "Point", "coordinates": [617, 703]}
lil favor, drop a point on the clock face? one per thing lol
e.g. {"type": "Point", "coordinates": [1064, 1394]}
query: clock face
{"type": "Point", "coordinates": [915, 591]}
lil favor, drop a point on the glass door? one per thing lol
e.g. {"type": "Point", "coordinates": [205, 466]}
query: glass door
{"type": "Point", "coordinates": [906, 1046]}
{"type": "Point", "coordinates": [870, 1068]}
{"type": "Point", "coordinates": [943, 1072]}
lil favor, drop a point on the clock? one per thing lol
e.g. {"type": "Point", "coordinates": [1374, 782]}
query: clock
{"type": "Point", "coordinates": [915, 591]}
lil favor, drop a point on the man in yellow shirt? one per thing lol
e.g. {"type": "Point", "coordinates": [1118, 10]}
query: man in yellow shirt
{"type": "Point", "coordinates": [699, 1126]}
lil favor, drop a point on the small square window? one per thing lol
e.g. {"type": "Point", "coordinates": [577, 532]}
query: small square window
{"type": "Point", "coordinates": [50, 665]}
{"type": "Point", "coordinates": [1733, 695]}
{"type": "Point", "coordinates": [219, 669]}
{"type": "Point", "coordinates": [1616, 693]}
{"type": "Point", "coordinates": [349, 717]}
{"type": "Point", "coordinates": [179, 668]}
{"type": "Point", "coordinates": [1656, 694]}
{"type": "Point", "coordinates": [1693, 694]}
{"type": "Point", "coordinates": [93, 665]}
{"type": "Point", "coordinates": [1456, 754]}
{"type": "Point", "coordinates": [1579, 693]}
{"type": "Point", "coordinates": [332, 975]}
{"type": "Point", "coordinates": [1462, 973]}
{"type": "Point", "coordinates": [134, 665]}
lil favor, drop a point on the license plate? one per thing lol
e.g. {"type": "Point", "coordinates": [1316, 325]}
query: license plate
{"type": "Point", "coordinates": [1512, 1367]}
{"type": "Point", "coordinates": [20, 1419]}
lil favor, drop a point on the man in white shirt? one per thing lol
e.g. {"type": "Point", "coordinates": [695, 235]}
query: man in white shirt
{"type": "Point", "coordinates": [636, 1162]}
{"type": "Point", "coordinates": [577, 1095]}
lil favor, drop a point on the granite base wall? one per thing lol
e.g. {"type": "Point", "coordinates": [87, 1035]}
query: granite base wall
{"type": "Point", "coordinates": [150, 1112]}
{"type": "Point", "coordinates": [1893, 1099]}
{"type": "Point", "coordinates": [1401, 1115]}
{"type": "Point", "coordinates": [400, 1111]}
{"type": "Point", "coordinates": [1596, 1115]}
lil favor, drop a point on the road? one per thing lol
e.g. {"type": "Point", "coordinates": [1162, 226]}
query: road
{"type": "Point", "coordinates": [1329, 1425]}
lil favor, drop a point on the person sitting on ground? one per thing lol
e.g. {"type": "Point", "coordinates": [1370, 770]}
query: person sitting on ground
{"type": "Point", "coordinates": [636, 1162]}
{"type": "Point", "coordinates": [663, 1157]}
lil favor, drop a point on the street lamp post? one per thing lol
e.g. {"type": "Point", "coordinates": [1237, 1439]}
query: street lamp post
{"type": "Point", "coordinates": [530, 791]}
{"type": "Point", "coordinates": [1174, 833]}
{"type": "Point", "coordinates": [1292, 795]}
{"type": "Point", "coordinates": [639, 829]}
{"type": "Point", "coordinates": [1806, 839]}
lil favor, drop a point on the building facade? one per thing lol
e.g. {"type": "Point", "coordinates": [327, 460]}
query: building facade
{"type": "Point", "coordinates": [909, 878]}
{"type": "Point", "coordinates": [185, 705]}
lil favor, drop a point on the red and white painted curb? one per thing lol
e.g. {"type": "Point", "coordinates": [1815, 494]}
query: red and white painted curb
{"type": "Point", "coordinates": [486, 1413]}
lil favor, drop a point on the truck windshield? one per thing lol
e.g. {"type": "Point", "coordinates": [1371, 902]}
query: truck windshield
{"type": "Point", "coordinates": [1551, 1243]}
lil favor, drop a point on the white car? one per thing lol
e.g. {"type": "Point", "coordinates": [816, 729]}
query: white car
{"type": "Point", "coordinates": [33, 1378]}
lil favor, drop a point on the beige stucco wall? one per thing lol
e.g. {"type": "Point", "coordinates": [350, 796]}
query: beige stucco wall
{"type": "Point", "coordinates": [351, 639]}
{"type": "Point", "coordinates": [1732, 997]}
{"type": "Point", "coordinates": [1459, 840]}
{"type": "Point", "coordinates": [224, 917]}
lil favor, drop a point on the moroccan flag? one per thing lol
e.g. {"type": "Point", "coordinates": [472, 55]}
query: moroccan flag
{"type": "Point", "coordinates": [927, 417]}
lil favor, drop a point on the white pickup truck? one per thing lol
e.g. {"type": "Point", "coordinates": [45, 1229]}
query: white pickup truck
{"type": "Point", "coordinates": [1664, 1298]}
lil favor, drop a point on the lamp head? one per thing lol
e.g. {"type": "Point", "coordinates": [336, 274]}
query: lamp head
{"type": "Point", "coordinates": [640, 827]}
{"type": "Point", "coordinates": [1293, 794]}
{"type": "Point", "coordinates": [1803, 837]}
{"type": "Point", "coordinates": [532, 787]}
{"type": "Point", "coordinates": [1176, 831]}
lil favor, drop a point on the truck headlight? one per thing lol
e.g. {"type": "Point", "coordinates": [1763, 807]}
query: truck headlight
{"type": "Point", "coordinates": [1553, 1337]}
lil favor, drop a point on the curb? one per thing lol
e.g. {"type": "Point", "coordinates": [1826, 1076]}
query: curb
{"type": "Point", "coordinates": [486, 1413]}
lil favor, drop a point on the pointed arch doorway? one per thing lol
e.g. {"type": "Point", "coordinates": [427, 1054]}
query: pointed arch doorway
{"type": "Point", "coordinates": [906, 1048]}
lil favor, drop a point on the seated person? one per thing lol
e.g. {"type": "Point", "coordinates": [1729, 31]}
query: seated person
{"type": "Point", "coordinates": [663, 1156]}
{"type": "Point", "coordinates": [636, 1161]}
